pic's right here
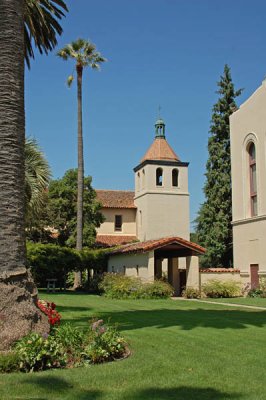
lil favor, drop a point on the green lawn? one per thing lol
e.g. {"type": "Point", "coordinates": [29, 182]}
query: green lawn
{"type": "Point", "coordinates": [181, 350]}
{"type": "Point", "coordinates": [246, 301]}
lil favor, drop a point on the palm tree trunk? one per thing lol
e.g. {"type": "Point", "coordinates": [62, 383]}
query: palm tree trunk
{"type": "Point", "coordinates": [78, 275]}
{"type": "Point", "coordinates": [12, 131]}
{"type": "Point", "coordinates": [18, 313]}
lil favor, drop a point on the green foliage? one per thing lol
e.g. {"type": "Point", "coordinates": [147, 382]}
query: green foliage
{"type": "Point", "coordinates": [191, 293]}
{"type": "Point", "coordinates": [41, 25]}
{"type": "Point", "coordinates": [215, 288]}
{"type": "Point", "coordinates": [37, 177]}
{"type": "Point", "coordinates": [104, 343]}
{"type": "Point", "coordinates": [260, 291]}
{"type": "Point", "coordinates": [51, 261]}
{"type": "Point", "coordinates": [118, 286]}
{"type": "Point", "coordinates": [63, 209]}
{"type": "Point", "coordinates": [214, 228]}
{"type": "Point", "coordinates": [66, 346]}
{"type": "Point", "coordinates": [38, 353]}
{"type": "Point", "coordinates": [9, 362]}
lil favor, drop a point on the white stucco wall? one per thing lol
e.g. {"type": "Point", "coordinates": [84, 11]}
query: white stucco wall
{"type": "Point", "coordinates": [140, 264]}
{"type": "Point", "coordinates": [249, 233]}
{"type": "Point", "coordinates": [128, 221]}
{"type": "Point", "coordinates": [162, 210]}
{"type": "Point", "coordinates": [221, 276]}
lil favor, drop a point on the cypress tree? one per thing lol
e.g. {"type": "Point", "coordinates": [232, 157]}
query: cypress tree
{"type": "Point", "coordinates": [215, 215]}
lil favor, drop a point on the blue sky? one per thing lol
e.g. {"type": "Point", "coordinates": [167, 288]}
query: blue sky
{"type": "Point", "coordinates": [167, 52]}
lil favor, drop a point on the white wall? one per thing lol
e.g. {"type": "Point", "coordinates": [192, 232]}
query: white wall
{"type": "Point", "coordinates": [249, 233]}
{"type": "Point", "coordinates": [128, 221]}
{"type": "Point", "coordinates": [128, 263]}
{"type": "Point", "coordinates": [162, 210]}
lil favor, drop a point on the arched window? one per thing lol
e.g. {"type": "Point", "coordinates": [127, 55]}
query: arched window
{"type": "Point", "coordinates": [143, 179]}
{"type": "Point", "coordinates": [175, 177]}
{"type": "Point", "coordinates": [159, 177]}
{"type": "Point", "coordinates": [138, 181]}
{"type": "Point", "coordinates": [253, 179]}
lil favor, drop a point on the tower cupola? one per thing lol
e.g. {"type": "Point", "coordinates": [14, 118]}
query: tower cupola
{"type": "Point", "coordinates": [160, 129]}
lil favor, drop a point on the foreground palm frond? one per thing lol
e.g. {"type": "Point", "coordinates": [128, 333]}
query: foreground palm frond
{"type": "Point", "coordinates": [37, 176]}
{"type": "Point", "coordinates": [41, 25]}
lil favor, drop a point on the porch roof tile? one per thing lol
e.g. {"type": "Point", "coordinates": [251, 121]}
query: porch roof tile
{"type": "Point", "coordinates": [149, 245]}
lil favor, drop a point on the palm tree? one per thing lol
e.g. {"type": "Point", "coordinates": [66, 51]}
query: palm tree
{"type": "Point", "coordinates": [41, 24]}
{"type": "Point", "coordinates": [84, 54]}
{"type": "Point", "coordinates": [37, 176]}
{"type": "Point", "coordinates": [18, 313]}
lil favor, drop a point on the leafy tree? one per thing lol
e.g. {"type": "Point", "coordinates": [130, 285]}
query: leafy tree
{"type": "Point", "coordinates": [63, 209]}
{"type": "Point", "coordinates": [85, 55]}
{"type": "Point", "coordinates": [41, 25]}
{"type": "Point", "coordinates": [215, 215]}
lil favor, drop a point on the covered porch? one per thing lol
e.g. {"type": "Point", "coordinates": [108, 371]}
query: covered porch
{"type": "Point", "coordinates": [173, 259]}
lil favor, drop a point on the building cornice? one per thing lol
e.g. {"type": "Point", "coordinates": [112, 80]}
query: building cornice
{"type": "Point", "coordinates": [249, 220]}
{"type": "Point", "coordinates": [143, 193]}
{"type": "Point", "coordinates": [161, 162]}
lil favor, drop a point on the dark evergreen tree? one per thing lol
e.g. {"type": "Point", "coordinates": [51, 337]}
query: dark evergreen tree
{"type": "Point", "coordinates": [214, 228]}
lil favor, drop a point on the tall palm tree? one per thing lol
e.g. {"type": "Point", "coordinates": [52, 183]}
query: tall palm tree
{"type": "Point", "coordinates": [18, 313]}
{"type": "Point", "coordinates": [84, 54]}
{"type": "Point", "coordinates": [41, 25]}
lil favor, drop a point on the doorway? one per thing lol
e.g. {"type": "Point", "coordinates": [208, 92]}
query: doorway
{"type": "Point", "coordinates": [254, 276]}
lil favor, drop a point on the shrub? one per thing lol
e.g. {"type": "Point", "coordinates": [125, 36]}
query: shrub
{"type": "Point", "coordinates": [38, 352]}
{"type": "Point", "coordinates": [155, 290]}
{"type": "Point", "coordinates": [120, 286]}
{"type": "Point", "coordinates": [104, 343]}
{"type": "Point", "coordinates": [191, 293]}
{"type": "Point", "coordinates": [9, 362]}
{"type": "Point", "coordinates": [215, 288]}
{"type": "Point", "coordinates": [72, 341]}
{"type": "Point", "coordinates": [260, 291]}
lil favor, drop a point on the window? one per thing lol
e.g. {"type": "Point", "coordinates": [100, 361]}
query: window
{"type": "Point", "coordinates": [118, 223]}
{"type": "Point", "coordinates": [138, 181]}
{"type": "Point", "coordinates": [159, 177]}
{"type": "Point", "coordinates": [253, 180]}
{"type": "Point", "coordinates": [175, 177]}
{"type": "Point", "coordinates": [143, 179]}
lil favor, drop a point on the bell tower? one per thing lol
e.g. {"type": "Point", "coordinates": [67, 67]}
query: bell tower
{"type": "Point", "coordinates": [161, 191]}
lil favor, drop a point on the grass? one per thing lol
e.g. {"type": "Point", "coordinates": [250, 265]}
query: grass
{"type": "Point", "coordinates": [181, 350]}
{"type": "Point", "coordinates": [246, 301]}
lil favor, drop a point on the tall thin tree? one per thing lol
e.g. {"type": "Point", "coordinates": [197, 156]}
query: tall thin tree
{"type": "Point", "coordinates": [84, 54]}
{"type": "Point", "coordinates": [214, 228]}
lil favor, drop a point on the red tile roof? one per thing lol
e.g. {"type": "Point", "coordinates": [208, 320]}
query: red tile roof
{"type": "Point", "coordinates": [160, 150]}
{"type": "Point", "coordinates": [114, 240]}
{"type": "Point", "coordinates": [149, 245]}
{"type": "Point", "coordinates": [116, 198]}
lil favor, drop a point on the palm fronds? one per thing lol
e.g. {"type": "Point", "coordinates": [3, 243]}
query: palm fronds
{"type": "Point", "coordinates": [41, 25]}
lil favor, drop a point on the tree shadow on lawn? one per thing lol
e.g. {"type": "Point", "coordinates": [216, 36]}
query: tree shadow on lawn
{"type": "Point", "coordinates": [56, 387]}
{"type": "Point", "coordinates": [183, 393]}
{"type": "Point", "coordinates": [185, 319]}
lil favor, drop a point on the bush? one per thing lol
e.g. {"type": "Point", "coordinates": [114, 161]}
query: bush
{"type": "Point", "coordinates": [155, 290]}
{"type": "Point", "coordinates": [191, 293]}
{"type": "Point", "coordinates": [119, 286]}
{"type": "Point", "coordinates": [54, 261]}
{"type": "Point", "coordinates": [66, 346]}
{"type": "Point", "coordinates": [260, 291]}
{"type": "Point", "coordinates": [104, 343]}
{"type": "Point", "coordinates": [215, 288]}
{"type": "Point", "coordinates": [38, 352]}
{"type": "Point", "coordinates": [51, 261]}
{"type": "Point", "coordinates": [9, 362]}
